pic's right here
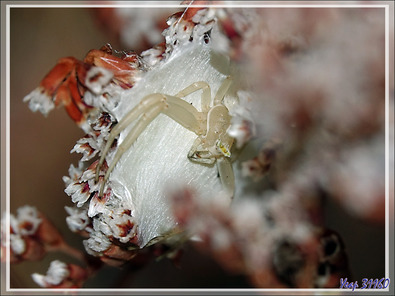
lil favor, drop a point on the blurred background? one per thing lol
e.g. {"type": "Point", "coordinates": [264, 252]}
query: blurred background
{"type": "Point", "coordinates": [40, 153]}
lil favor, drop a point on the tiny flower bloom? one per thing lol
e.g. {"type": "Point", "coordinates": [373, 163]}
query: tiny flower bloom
{"type": "Point", "coordinates": [78, 219]}
{"type": "Point", "coordinates": [25, 243]}
{"type": "Point", "coordinates": [39, 101]}
{"type": "Point", "coordinates": [57, 273]}
{"type": "Point", "coordinates": [61, 275]}
{"type": "Point", "coordinates": [26, 222]}
{"type": "Point", "coordinates": [96, 78]}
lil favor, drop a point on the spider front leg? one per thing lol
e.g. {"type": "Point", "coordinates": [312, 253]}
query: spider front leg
{"type": "Point", "coordinates": [226, 174]}
{"type": "Point", "coordinates": [202, 155]}
{"type": "Point", "coordinates": [148, 109]}
{"type": "Point", "coordinates": [223, 89]}
{"type": "Point", "coordinates": [151, 100]}
{"type": "Point", "coordinates": [206, 95]}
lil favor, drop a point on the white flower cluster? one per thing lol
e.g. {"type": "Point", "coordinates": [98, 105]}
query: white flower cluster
{"type": "Point", "coordinates": [25, 223]}
{"type": "Point", "coordinates": [181, 31]}
{"type": "Point", "coordinates": [100, 219]}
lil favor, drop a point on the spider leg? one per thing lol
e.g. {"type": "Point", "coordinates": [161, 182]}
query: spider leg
{"type": "Point", "coordinates": [226, 174]}
{"type": "Point", "coordinates": [185, 114]}
{"type": "Point", "coordinates": [149, 108]}
{"type": "Point", "coordinates": [206, 95]}
{"type": "Point", "coordinates": [200, 155]}
{"type": "Point", "coordinates": [180, 111]}
{"type": "Point", "coordinates": [223, 89]}
{"type": "Point", "coordinates": [145, 119]}
{"type": "Point", "coordinates": [142, 107]}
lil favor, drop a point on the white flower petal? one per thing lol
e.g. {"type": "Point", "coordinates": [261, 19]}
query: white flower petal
{"type": "Point", "coordinates": [97, 242]}
{"type": "Point", "coordinates": [97, 78]}
{"type": "Point", "coordinates": [28, 220]}
{"type": "Point", "coordinates": [78, 219]}
{"type": "Point", "coordinates": [39, 101]}
{"type": "Point", "coordinates": [39, 279]}
{"type": "Point", "coordinates": [75, 190]}
{"type": "Point", "coordinates": [17, 244]}
{"type": "Point", "coordinates": [56, 274]}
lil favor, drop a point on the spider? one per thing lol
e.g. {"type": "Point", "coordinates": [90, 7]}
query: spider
{"type": "Point", "coordinates": [213, 144]}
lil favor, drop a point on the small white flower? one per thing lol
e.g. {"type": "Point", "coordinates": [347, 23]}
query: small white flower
{"type": "Point", "coordinates": [97, 241]}
{"type": "Point", "coordinates": [17, 244]}
{"type": "Point", "coordinates": [87, 146]}
{"type": "Point", "coordinates": [56, 274]}
{"type": "Point", "coordinates": [78, 219]}
{"type": "Point", "coordinates": [26, 222]}
{"type": "Point", "coordinates": [77, 193]}
{"type": "Point", "coordinates": [151, 56]}
{"type": "Point", "coordinates": [74, 173]}
{"type": "Point", "coordinates": [39, 101]}
{"type": "Point", "coordinates": [97, 78]}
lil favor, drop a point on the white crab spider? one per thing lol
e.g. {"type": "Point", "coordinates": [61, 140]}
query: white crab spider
{"type": "Point", "coordinates": [210, 125]}
{"type": "Point", "coordinates": [163, 143]}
